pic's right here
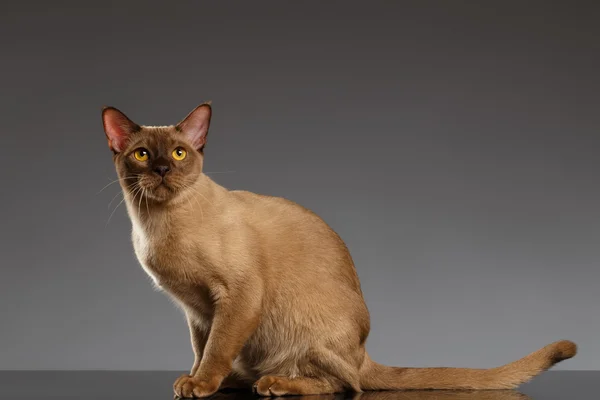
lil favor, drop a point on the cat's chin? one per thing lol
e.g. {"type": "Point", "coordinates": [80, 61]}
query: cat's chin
{"type": "Point", "coordinates": [161, 193]}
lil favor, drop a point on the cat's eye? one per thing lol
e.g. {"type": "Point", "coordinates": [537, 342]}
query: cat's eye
{"type": "Point", "coordinates": [179, 154]}
{"type": "Point", "coordinates": [141, 154]}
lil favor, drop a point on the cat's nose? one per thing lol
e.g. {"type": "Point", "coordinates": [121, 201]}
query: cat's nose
{"type": "Point", "coordinates": [162, 170]}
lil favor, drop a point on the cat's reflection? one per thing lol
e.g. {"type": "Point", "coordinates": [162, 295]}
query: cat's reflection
{"type": "Point", "coordinates": [393, 395]}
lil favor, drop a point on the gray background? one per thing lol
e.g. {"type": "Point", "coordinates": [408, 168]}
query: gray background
{"type": "Point", "coordinates": [453, 145]}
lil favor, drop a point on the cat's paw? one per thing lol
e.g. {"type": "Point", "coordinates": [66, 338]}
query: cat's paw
{"type": "Point", "coordinates": [178, 383]}
{"type": "Point", "coordinates": [261, 387]}
{"type": "Point", "coordinates": [187, 386]}
{"type": "Point", "coordinates": [274, 386]}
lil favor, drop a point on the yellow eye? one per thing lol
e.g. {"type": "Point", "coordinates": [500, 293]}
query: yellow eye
{"type": "Point", "coordinates": [179, 154]}
{"type": "Point", "coordinates": [141, 154]}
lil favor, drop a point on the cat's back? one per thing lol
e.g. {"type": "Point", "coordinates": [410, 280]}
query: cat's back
{"type": "Point", "coordinates": [278, 214]}
{"type": "Point", "coordinates": [293, 237]}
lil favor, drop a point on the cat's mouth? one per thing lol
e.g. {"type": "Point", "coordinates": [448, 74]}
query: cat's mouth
{"type": "Point", "coordinates": [160, 190]}
{"type": "Point", "coordinates": [156, 189]}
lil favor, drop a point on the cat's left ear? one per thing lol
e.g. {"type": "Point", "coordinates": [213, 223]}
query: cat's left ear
{"type": "Point", "coordinates": [117, 128]}
{"type": "Point", "coordinates": [195, 125]}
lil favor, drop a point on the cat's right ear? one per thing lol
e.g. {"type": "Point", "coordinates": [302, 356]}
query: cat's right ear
{"type": "Point", "coordinates": [117, 128]}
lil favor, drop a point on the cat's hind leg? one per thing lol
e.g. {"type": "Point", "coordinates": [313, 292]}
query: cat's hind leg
{"type": "Point", "coordinates": [273, 385]}
{"type": "Point", "coordinates": [235, 382]}
{"type": "Point", "coordinates": [240, 377]}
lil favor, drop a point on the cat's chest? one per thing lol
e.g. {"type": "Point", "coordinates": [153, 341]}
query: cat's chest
{"type": "Point", "coordinates": [173, 266]}
{"type": "Point", "coordinates": [164, 258]}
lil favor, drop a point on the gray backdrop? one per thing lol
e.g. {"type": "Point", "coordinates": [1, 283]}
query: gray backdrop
{"type": "Point", "coordinates": [453, 145]}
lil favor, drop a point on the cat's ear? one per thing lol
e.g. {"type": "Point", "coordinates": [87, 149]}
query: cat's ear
{"type": "Point", "coordinates": [117, 128]}
{"type": "Point", "coordinates": [195, 125]}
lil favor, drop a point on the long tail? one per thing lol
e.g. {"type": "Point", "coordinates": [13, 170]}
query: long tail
{"type": "Point", "coordinates": [375, 376]}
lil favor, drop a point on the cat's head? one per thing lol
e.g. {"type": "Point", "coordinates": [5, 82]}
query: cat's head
{"type": "Point", "coordinates": [157, 162]}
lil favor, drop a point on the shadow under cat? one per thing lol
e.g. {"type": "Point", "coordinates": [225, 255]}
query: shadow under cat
{"type": "Point", "coordinates": [392, 395]}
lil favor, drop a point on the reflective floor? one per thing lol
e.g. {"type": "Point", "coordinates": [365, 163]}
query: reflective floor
{"type": "Point", "coordinates": [152, 385]}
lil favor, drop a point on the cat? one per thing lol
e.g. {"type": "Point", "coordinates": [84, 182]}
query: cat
{"type": "Point", "coordinates": [270, 293]}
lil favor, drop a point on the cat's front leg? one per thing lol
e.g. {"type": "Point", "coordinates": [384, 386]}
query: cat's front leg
{"type": "Point", "coordinates": [236, 317]}
{"type": "Point", "coordinates": [198, 337]}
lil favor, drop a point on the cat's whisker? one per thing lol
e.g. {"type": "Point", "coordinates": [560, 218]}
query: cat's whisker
{"type": "Point", "coordinates": [117, 180]}
{"type": "Point", "coordinates": [112, 213]}
{"type": "Point", "coordinates": [139, 191]}
{"type": "Point", "coordinates": [140, 202]}
{"type": "Point", "coordinates": [191, 186]}
{"type": "Point", "coordinates": [108, 184]}
{"type": "Point", "coordinates": [219, 172]}
{"type": "Point", "coordinates": [196, 199]}
{"type": "Point", "coordinates": [147, 208]}
{"type": "Point", "coordinates": [195, 190]}
{"type": "Point", "coordinates": [186, 187]}
{"type": "Point", "coordinates": [135, 191]}
{"type": "Point", "coordinates": [113, 199]}
{"type": "Point", "coordinates": [199, 206]}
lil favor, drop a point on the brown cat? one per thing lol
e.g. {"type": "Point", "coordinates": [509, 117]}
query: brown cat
{"type": "Point", "coordinates": [270, 292]}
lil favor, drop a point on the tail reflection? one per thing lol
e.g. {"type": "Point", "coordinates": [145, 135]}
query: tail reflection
{"type": "Point", "coordinates": [442, 395]}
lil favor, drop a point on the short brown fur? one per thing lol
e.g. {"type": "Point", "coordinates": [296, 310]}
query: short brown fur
{"type": "Point", "coordinates": [269, 290]}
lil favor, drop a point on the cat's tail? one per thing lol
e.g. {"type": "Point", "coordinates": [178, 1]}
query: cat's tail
{"type": "Point", "coordinates": [375, 376]}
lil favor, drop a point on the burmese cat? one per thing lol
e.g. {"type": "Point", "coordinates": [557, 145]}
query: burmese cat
{"type": "Point", "coordinates": [270, 292]}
